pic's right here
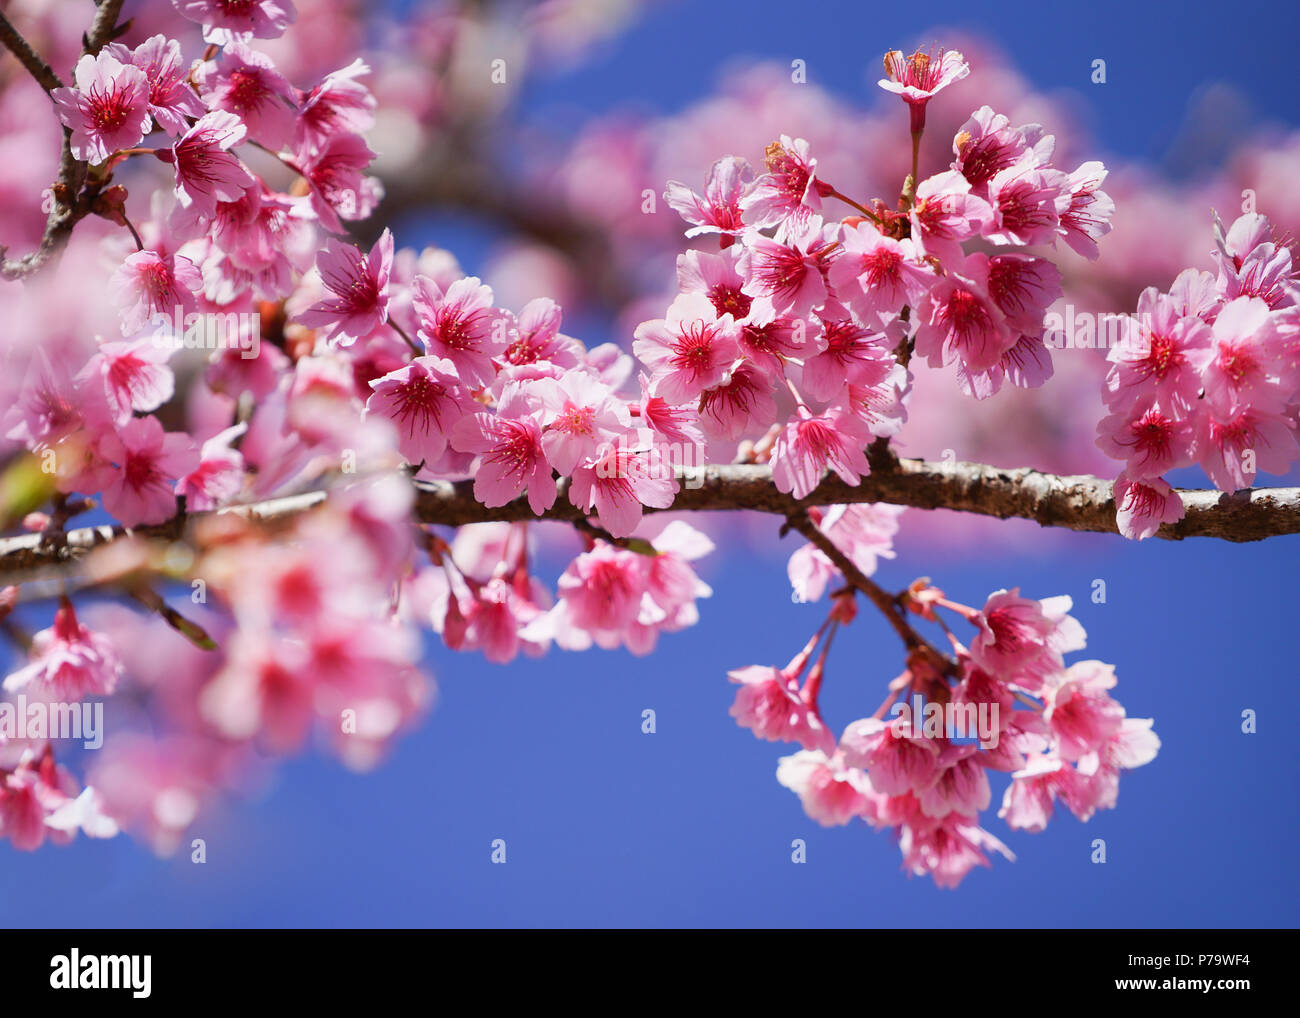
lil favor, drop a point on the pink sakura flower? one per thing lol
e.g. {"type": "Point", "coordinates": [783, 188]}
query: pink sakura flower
{"type": "Point", "coordinates": [671, 582]}
{"type": "Point", "coordinates": [790, 275]}
{"type": "Point", "coordinates": [1245, 363]}
{"type": "Point", "coordinates": [602, 590]}
{"type": "Point", "coordinates": [108, 109]}
{"type": "Point", "coordinates": [339, 187]}
{"type": "Point", "coordinates": [743, 404]}
{"type": "Point", "coordinates": [960, 786]}
{"type": "Point", "coordinates": [86, 813]}
{"type": "Point", "coordinates": [832, 793]}
{"type": "Point", "coordinates": [461, 325]}
{"type": "Point", "coordinates": [1025, 199]}
{"type": "Point", "coordinates": [150, 285]}
{"type": "Point", "coordinates": [718, 210]}
{"type": "Point", "coordinates": [1251, 265]}
{"type": "Point", "coordinates": [138, 463]}
{"type": "Point", "coordinates": [1022, 641]}
{"type": "Point", "coordinates": [1162, 356]}
{"type": "Point", "coordinates": [134, 376]}
{"type": "Point", "coordinates": [29, 795]}
{"type": "Point", "coordinates": [674, 425]}
{"type": "Point", "coordinates": [245, 82]}
{"type": "Point", "coordinates": [1026, 365]}
{"type": "Point", "coordinates": [580, 416]}
{"type": "Point", "coordinates": [718, 277]}
{"type": "Point", "coordinates": [690, 350]}
{"type": "Point", "coordinates": [425, 400]}
{"type": "Point", "coordinates": [1235, 442]}
{"type": "Point", "coordinates": [219, 477]}
{"type": "Point", "coordinates": [171, 99]}
{"type": "Point", "coordinates": [53, 404]}
{"type": "Point", "coordinates": [498, 618]}
{"type": "Point", "coordinates": [945, 214]}
{"type": "Point", "coordinates": [948, 850]}
{"type": "Point", "coordinates": [68, 662]}
{"type": "Point", "coordinates": [865, 533]}
{"type": "Point", "coordinates": [770, 339]}
{"type": "Point", "coordinates": [1148, 438]}
{"type": "Point", "coordinates": [1028, 803]}
{"type": "Point", "coordinates": [879, 401]}
{"type": "Point", "coordinates": [960, 322]}
{"type": "Point", "coordinates": [809, 445]}
{"type": "Point", "coordinates": [1023, 288]}
{"type": "Point", "coordinates": [207, 173]}
{"type": "Point", "coordinates": [850, 353]}
{"type": "Point", "coordinates": [226, 20]}
{"type": "Point", "coordinates": [987, 144]}
{"type": "Point", "coordinates": [265, 691]}
{"type": "Point", "coordinates": [770, 704]}
{"type": "Point", "coordinates": [875, 273]}
{"type": "Point", "coordinates": [359, 284]}
{"type": "Point", "coordinates": [1142, 506]}
{"type": "Point", "coordinates": [340, 104]}
{"type": "Point", "coordinates": [897, 760]}
{"type": "Point", "coordinates": [509, 443]}
{"type": "Point", "coordinates": [789, 192]}
{"type": "Point", "coordinates": [1087, 218]}
{"type": "Point", "coordinates": [619, 483]}
{"type": "Point", "coordinates": [918, 78]}
{"type": "Point", "coordinates": [538, 339]}
{"type": "Point", "coordinates": [1079, 711]}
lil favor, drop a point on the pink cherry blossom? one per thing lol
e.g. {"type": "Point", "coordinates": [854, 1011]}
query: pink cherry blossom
{"type": "Point", "coordinates": [68, 662]}
{"type": "Point", "coordinates": [107, 110]}
{"type": "Point", "coordinates": [1163, 356]}
{"type": "Point", "coordinates": [359, 284]}
{"type": "Point", "coordinates": [690, 350]}
{"type": "Point", "coordinates": [461, 325]}
{"type": "Point", "coordinates": [770, 704]}
{"type": "Point", "coordinates": [171, 99]}
{"type": "Point", "coordinates": [877, 273]}
{"type": "Point", "coordinates": [864, 532]}
{"type": "Point", "coordinates": [945, 214]}
{"type": "Point", "coordinates": [789, 192]}
{"type": "Point", "coordinates": [948, 850]}
{"type": "Point", "coordinates": [227, 20]}
{"type": "Point", "coordinates": [1079, 709]}
{"type": "Point", "coordinates": [206, 171]}
{"type": "Point", "coordinates": [139, 462]}
{"type": "Point", "coordinates": [580, 416]}
{"type": "Point", "coordinates": [1142, 506]}
{"type": "Point", "coordinates": [718, 277]}
{"type": "Point", "coordinates": [538, 338]}
{"type": "Point", "coordinates": [743, 404]}
{"type": "Point", "coordinates": [919, 77]}
{"type": "Point", "coordinates": [134, 376]}
{"type": "Point", "coordinates": [618, 483]}
{"type": "Point", "coordinates": [1148, 438]}
{"type": "Point", "coordinates": [1087, 218]}
{"type": "Point", "coordinates": [718, 210]}
{"type": "Point", "coordinates": [809, 445]}
{"type": "Point", "coordinates": [150, 285]}
{"type": "Point", "coordinates": [425, 400]}
{"type": "Point", "coordinates": [219, 477]}
{"type": "Point", "coordinates": [1024, 198]}
{"type": "Point", "coordinates": [960, 322]}
{"type": "Point", "coordinates": [897, 761]}
{"type": "Point", "coordinates": [335, 172]}
{"type": "Point", "coordinates": [790, 275]}
{"type": "Point", "coordinates": [1021, 640]}
{"type": "Point", "coordinates": [509, 443]}
{"type": "Point", "coordinates": [245, 82]}
{"type": "Point", "coordinates": [832, 793]}
{"type": "Point", "coordinates": [340, 104]}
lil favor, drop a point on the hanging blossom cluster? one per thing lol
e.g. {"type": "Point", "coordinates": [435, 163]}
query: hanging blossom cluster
{"type": "Point", "coordinates": [293, 360]}
{"type": "Point", "coordinates": [1005, 701]}
{"type": "Point", "coordinates": [1208, 374]}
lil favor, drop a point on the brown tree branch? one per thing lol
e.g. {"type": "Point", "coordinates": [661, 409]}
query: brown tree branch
{"type": "Point", "coordinates": [1080, 503]}
{"type": "Point", "coordinates": [27, 56]}
{"type": "Point", "coordinates": [70, 204]}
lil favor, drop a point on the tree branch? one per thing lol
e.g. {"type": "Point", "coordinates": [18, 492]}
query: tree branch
{"type": "Point", "coordinates": [27, 56]}
{"type": "Point", "coordinates": [1080, 503]}
{"type": "Point", "coordinates": [70, 205]}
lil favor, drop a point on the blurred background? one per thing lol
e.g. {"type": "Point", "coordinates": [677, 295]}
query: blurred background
{"type": "Point", "coordinates": [536, 184]}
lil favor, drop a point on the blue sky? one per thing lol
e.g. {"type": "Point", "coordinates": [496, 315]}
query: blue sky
{"type": "Point", "coordinates": [608, 826]}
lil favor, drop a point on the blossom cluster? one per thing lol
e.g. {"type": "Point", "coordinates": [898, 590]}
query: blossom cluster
{"type": "Point", "coordinates": [1208, 374]}
{"type": "Point", "coordinates": [1054, 728]}
{"type": "Point", "coordinates": [799, 304]}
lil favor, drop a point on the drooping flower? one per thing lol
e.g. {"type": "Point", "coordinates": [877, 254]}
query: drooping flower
{"type": "Point", "coordinates": [224, 21]}
{"type": "Point", "coordinates": [425, 400]}
{"type": "Point", "coordinates": [150, 285]}
{"type": "Point", "coordinates": [832, 793]}
{"type": "Point", "coordinates": [811, 444]}
{"type": "Point", "coordinates": [68, 662]}
{"type": "Point", "coordinates": [1142, 506]}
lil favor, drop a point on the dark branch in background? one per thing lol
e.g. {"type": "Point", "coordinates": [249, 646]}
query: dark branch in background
{"type": "Point", "coordinates": [71, 203]}
{"type": "Point", "coordinates": [1079, 503]}
{"type": "Point", "coordinates": [28, 57]}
